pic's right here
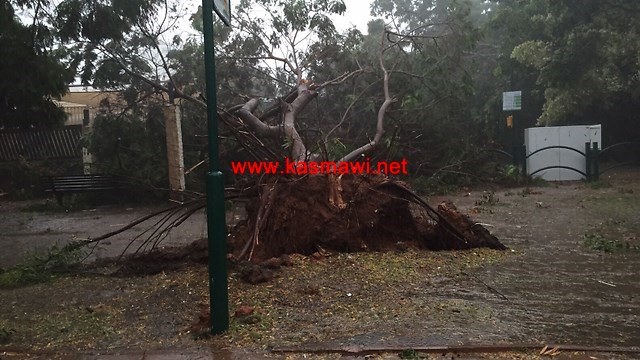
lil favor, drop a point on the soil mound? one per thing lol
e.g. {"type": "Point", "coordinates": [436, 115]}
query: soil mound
{"type": "Point", "coordinates": [351, 213]}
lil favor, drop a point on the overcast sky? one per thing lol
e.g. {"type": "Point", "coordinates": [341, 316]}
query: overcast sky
{"type": "Point", "coordinates": [357, 14]}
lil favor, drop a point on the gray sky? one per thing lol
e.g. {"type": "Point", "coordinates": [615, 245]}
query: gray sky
{"type": "Point", "coordinates": [357, 14]}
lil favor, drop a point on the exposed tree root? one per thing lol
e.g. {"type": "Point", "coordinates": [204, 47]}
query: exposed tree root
{"type": "Point", "coordinates": [334, 213]}
{"type": "Point", "coordinates": [373, 213]}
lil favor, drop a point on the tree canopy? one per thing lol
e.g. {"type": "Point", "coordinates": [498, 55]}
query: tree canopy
{"type": "Point", "coordinates": [31, 74]}
{"type": "Point", "coordinates": [581, 58]}
{"type": "Point", "coordinates": [430, 69]}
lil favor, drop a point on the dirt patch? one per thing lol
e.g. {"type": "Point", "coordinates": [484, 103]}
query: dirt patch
{"type": "Point", "coordinates": [154, 261]}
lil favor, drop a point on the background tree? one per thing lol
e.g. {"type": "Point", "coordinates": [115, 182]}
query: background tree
{"type": "Point", "coordinates": [30, 70]}
{"type": "Point", "coordinates": [579, 57]}
{"type": "Point", "coordinates": [437, 91]}
{"type": "Point", "coordinates": [131, 142]}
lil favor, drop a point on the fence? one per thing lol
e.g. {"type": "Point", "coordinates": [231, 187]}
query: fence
{"type": "Point", "coordinates": [34, 144]}
{"type": "Point", "coordinates": [592, 156]}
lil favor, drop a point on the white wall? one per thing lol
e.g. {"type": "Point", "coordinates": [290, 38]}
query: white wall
{"type": "Point", "coordinates": [571, 136]}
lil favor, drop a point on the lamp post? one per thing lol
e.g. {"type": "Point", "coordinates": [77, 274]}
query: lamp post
{"type": "Point", "coordinates": [216, 227]}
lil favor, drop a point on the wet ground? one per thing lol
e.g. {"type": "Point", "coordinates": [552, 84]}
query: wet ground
{"type": "Point", "coordinates": [32, 227]}
{"type": "Point", "coordinates": [555, 288]}
{"type": "Point", "coordinates": [548, 288]}
{"type": "Point", "coordinates": [552, 288]}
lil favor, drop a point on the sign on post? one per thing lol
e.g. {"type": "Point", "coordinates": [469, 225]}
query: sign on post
{"type": "Point", "coordinates": [512, 100]}
{"type": "Point", "coordinates": [223, 9]}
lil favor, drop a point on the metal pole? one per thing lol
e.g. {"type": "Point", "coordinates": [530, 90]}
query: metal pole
{"type": "Point", "coordinates": [216, 227]}
{"type": "Point", "coordinates": [587, 156]}
{"type": "Point", "coordinates": [596, 166]}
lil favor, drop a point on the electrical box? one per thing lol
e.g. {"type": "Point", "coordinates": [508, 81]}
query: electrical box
{"type": "Point", "coordinates": [573, 137]}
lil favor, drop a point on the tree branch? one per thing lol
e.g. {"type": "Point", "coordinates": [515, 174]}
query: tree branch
{"type": "Point", "coordinates": [388, 100]}
{"type": "Point", "coordinates": [246, 114]}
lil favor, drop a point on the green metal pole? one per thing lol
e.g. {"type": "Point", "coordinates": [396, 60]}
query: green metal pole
{"type": "Point", "coordinates": [596, 166]}
{"type": "Point", "coordinates": [216, 227]}
{"type": "Point", "coordinates": [587, 156]}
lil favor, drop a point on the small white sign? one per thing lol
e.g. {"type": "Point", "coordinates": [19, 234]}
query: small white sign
{"type": "Point", "coordinates": [512, 100]}
{"type": "Point", "coordinates": [223, 9]}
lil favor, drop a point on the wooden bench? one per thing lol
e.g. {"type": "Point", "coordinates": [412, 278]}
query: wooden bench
{"type": "Point", "coordinates": [73, 184]}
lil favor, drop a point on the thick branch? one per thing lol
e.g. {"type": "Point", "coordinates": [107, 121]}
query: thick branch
{"type": "Point", "coordinates": [305, 95]}
{"type": "Point", "coordinates": [246, 114]}
{"type": "Point", "coordinates": [388, 100]}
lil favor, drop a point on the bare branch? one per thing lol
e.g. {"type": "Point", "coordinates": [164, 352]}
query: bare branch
{"type": "Point", "coordinates": [246, 114]}
{"type": "Point", "coordinates": [388, 100]}
{"type": "Point", "coordinates": [340, 79]}
{"type": "Point", "coordinates": [153, 84]}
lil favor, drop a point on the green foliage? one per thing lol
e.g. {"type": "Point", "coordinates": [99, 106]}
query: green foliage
{"type": "Point", "coordinates": [578, 57]}
{"type": "Point", "coordinates": [98, 25]}
{"type": "Point", "coordinates": [434, 185]}
{"type": "Point", "coordinates": [22, 179]}
{"type": "Point", "coordinates": [32, 75]}
{"type": "Point", "coordinates": [131, 144]}
{"type": "Point", "coordinates": [432, 85]}
{"type": "Point", "coordinates": [410, 354]}
{"type": "Point", "coordinates": [42, 268]}
{"type": "Point", "coordinates": [599, 243]}
{"type": "Point", "coordinates": [511, 171]}
{"type": "Point", "coordinates": [336, 149]}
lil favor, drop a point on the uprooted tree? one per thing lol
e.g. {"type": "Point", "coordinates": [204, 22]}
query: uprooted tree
{"type": "Point", "coordinates": [294, 49]}
{"type": "Point", "coordinates": [342, 212]}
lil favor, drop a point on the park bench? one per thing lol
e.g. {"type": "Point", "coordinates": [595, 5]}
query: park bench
{"type": "Point", "coordinates": [73, 184]}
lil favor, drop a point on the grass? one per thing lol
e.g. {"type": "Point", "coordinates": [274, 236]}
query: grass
{"type": "Point", "coordinates": [598, 242]}
{"type": "Point", "coordinates": [489, 198]}
{"type": "Point", "coordinates": [618, 226]}
{"type": "Point", "coordinates": [42, 268]}
{"type": "Point", "coordinates": [598, 184]}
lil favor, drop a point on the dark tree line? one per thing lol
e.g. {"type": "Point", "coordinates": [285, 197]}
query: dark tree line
{"type": "Point", "coordinates": [424, 82]}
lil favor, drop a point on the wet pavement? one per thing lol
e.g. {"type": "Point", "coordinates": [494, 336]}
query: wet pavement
{"type": "Point", "coordinates": [557, 289]}
{"type": "Point", "coordinates": [24, 232]}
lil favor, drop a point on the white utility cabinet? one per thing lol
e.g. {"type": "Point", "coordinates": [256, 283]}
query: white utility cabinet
{"type": "Point", "coordinates": [570, 136]}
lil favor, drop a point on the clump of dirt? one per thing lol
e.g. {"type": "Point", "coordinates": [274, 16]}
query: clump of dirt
{"type": "Point", "coordinates": [471, 234]}
{"type": "Point", "coordinates": [157, 260]}
{"type": "Point", "coordinates": [305, 215]}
